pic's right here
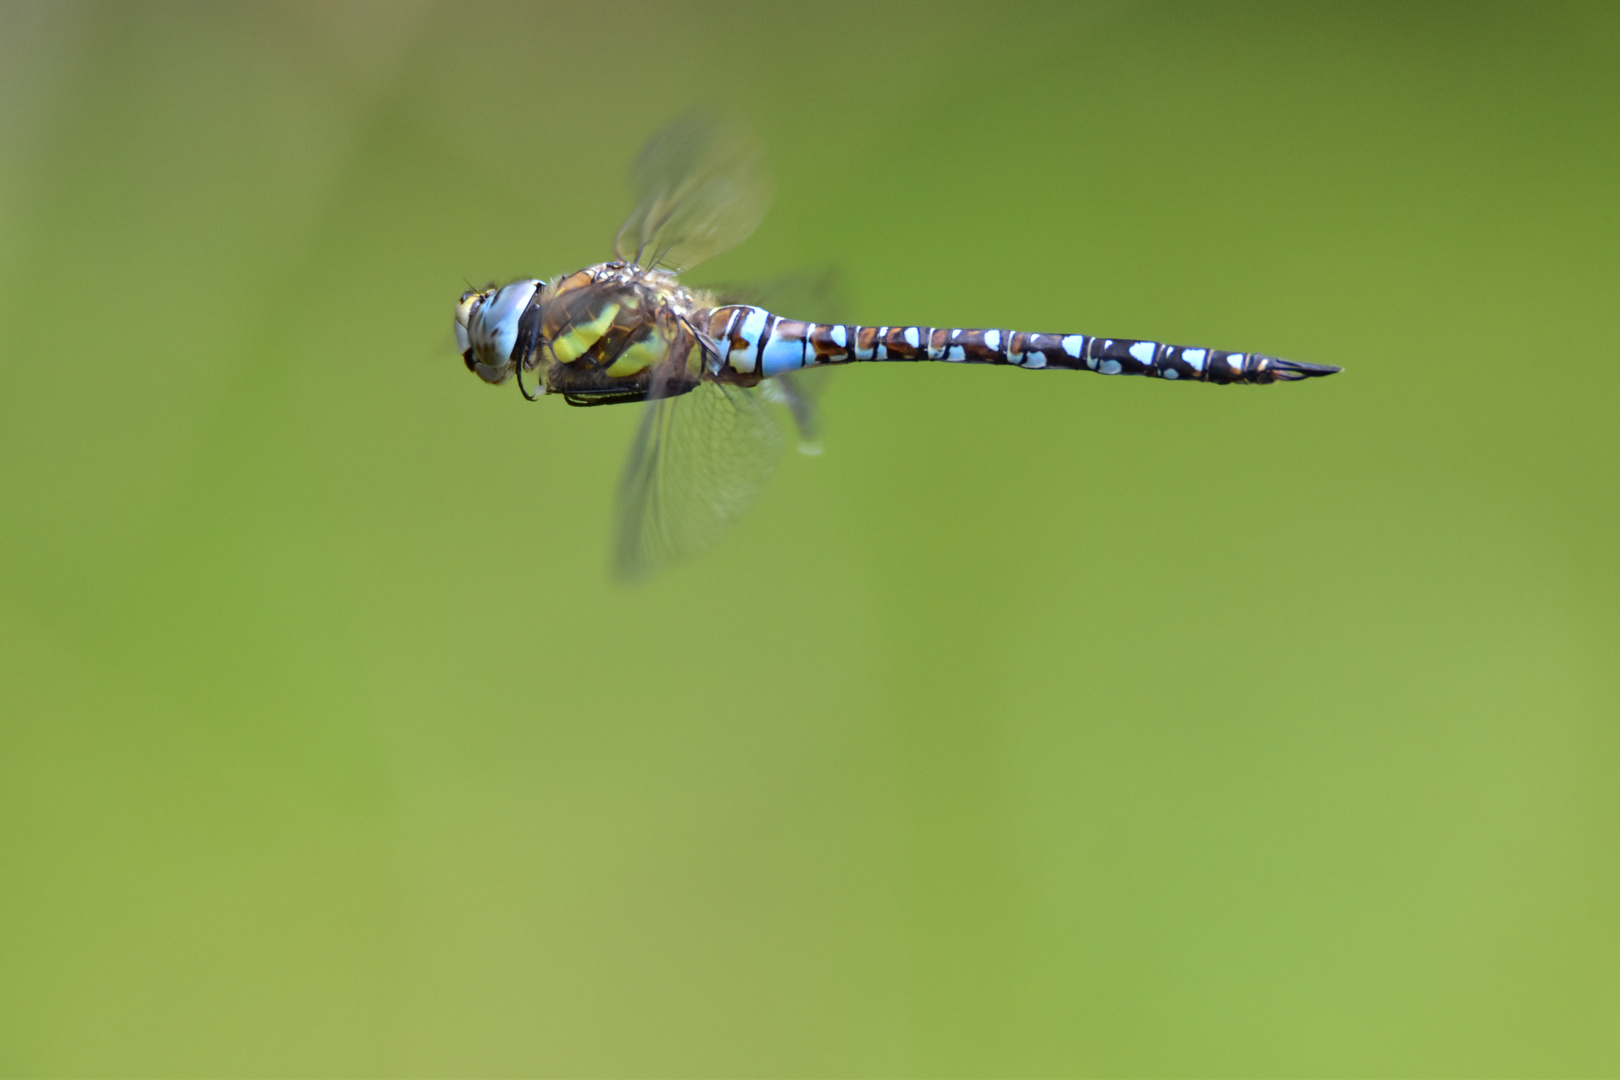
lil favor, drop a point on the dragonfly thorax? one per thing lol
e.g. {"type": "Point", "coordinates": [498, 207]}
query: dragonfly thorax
{"type": "Point", "coordinates": [611, 332]}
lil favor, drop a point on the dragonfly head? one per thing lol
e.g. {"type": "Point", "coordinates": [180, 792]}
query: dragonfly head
{"type": "Point", "coordinates": [487, 328]}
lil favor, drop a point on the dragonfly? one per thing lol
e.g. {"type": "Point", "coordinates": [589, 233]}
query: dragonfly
{"type": "Point", "coordinates": [710, 365]}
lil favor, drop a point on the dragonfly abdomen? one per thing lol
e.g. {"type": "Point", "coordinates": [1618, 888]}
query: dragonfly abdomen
{"type": "Point", "coordinates": [758, 344]}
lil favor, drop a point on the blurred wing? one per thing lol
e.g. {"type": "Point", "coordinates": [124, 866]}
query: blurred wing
{"type": "Point", "coordinates": [817, 295]}
{"type": "Point", "coordinates": [700, 188]}
{"type": "Point", "coordinates": [801, 392]}
{"type": "Point", "coordinates": [698, 462]}
{"type": "Point", "coordinates": [803, 294]}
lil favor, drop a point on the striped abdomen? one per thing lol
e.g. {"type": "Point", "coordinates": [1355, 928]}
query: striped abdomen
{"type": "Point", "coordinates": [757, 344]}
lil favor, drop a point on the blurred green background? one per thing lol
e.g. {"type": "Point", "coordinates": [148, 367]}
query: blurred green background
{"type": "Point", "coordinates": [1046, 725]}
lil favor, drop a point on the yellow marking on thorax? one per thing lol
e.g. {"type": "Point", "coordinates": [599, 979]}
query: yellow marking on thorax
{"type": "Point", "coordinates": [573, 345]}
{"type": "Point", "coordinates": [640, 356]}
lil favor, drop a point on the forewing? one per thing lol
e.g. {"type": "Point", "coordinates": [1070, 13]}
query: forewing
{"type": "Point", "coordinates": [698, 462]}
{"type": "Point", "coordinates": [700, 188]}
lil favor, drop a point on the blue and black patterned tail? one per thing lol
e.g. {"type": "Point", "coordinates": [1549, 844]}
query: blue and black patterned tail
{"type": "Point", "coordinates": [754, 343]}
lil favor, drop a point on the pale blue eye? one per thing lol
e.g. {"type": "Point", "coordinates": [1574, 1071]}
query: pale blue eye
{"type": "Point", "coordinates": [497, 319]}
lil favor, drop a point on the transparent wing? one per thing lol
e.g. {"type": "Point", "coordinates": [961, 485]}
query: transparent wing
{"type": "Point", "coordinates": [700, 188]}
{"type": "Point", "coordinates": [698, 462]}
{"type": "Point", "coordinates": [805, 294]}
{"type": "Point", "coordinates": [818, 294]}
{"type": "Point", "coordinates": [800, 392]}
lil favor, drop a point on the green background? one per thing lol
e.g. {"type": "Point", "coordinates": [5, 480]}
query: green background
{"type": "Point", "coordinates": [1047, 724]}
